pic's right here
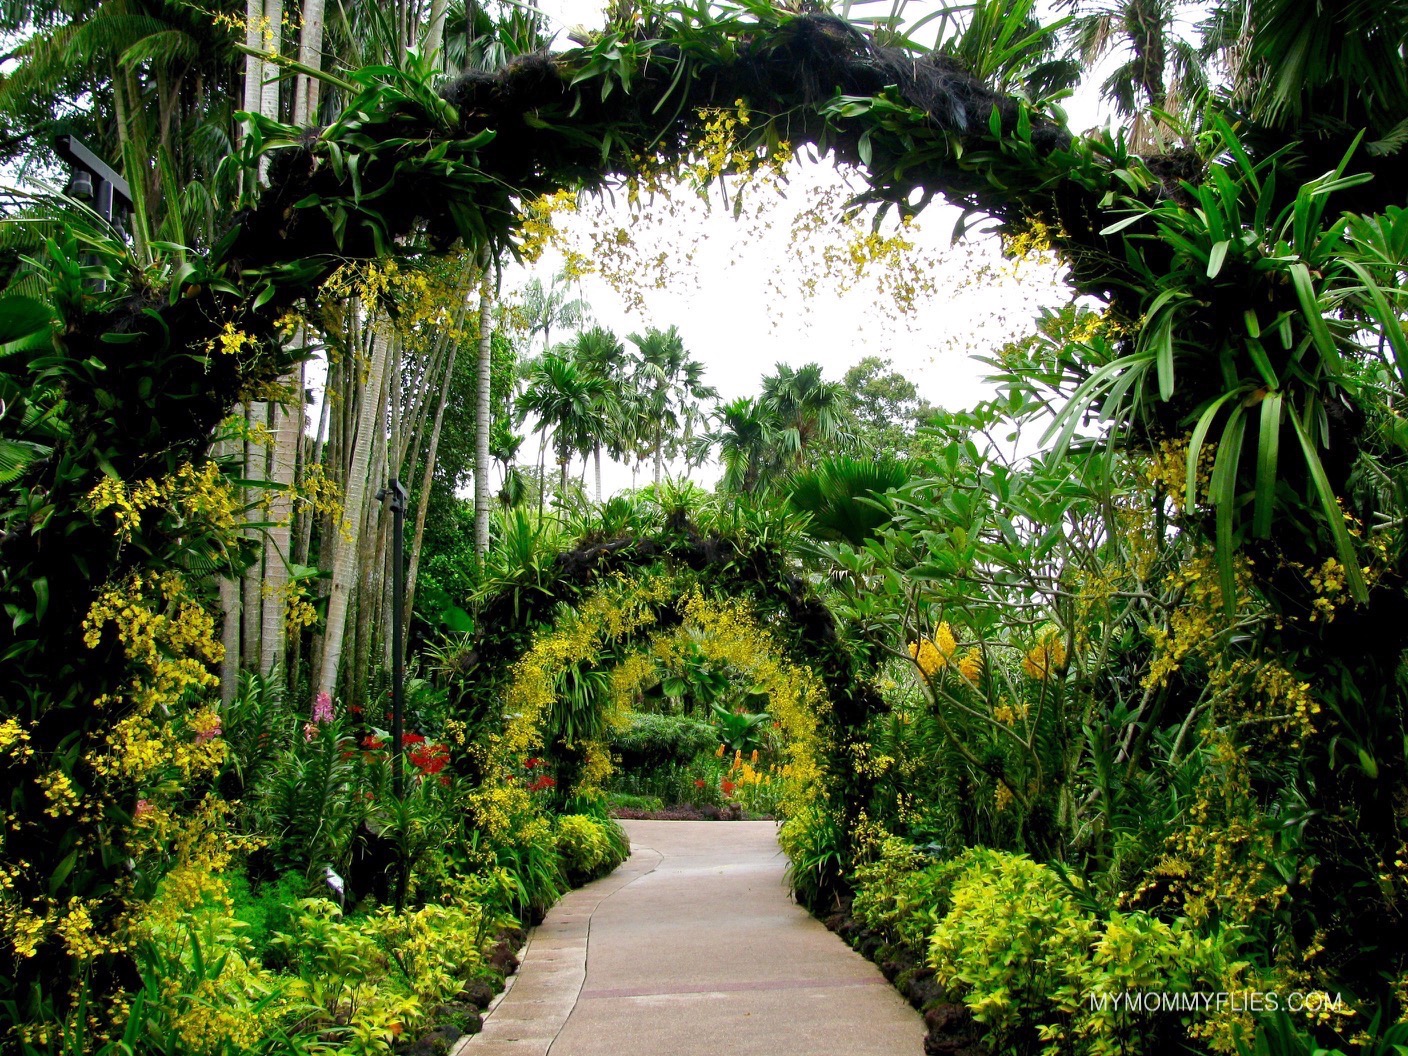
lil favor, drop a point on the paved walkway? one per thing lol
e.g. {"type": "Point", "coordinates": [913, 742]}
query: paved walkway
{"type": "Point", "coordinates": [694, 948]}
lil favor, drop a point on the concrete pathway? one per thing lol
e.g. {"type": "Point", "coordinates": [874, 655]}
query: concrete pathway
{"type": "Point", "coordinates": [693, 947]}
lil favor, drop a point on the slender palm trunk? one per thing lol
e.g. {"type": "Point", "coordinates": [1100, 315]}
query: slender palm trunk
{"type": "Point", "coordinates": [288, 429]}
{"type": "Point", "coordinates": [253, 64]}
{"type": "Point", "coordinates": [482, 414]}
{"type": "Point", "coordinates": [435, 34]}
{"type": "Point", "coordinates": [255, 469]}
{"type": "Point", "coordinates": [230, 615]}
{"type": "Point", "coordinates": [428, 478]}
{"type": "Point", "coordinates": [273, 28]}
{"type": "Point", "coordinates": [596, 455]}
{"type": "Point", "coordinates": [310, 54]}
{"type": "Point", "coordinates": [345, 537]}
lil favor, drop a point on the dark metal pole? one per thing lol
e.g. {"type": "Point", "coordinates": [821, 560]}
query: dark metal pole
{"type": "Point", "coordinates": [399, 497]}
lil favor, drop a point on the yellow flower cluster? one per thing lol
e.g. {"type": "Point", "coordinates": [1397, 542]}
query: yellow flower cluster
{"type": "Point", "coordinates": [1032, 240]}
{"type": "Point", "coordinates": [1047, 657]}
{"type": "Point", "coordinates": [718, 151]}
{"type": "Point", "coordinates": [933, 654]}
{"type": "Point", "coordinates": [230, 341]}
{"type": "Point", "coordinates": [14, 738]}
{"type": "Point", "coordinates": [970, 665]}
{"type": "Point", "coordinates": [1329, 583]}
{"type": "Point", "coordinates": [1167, 470]}
{"type": "Point", "coordinates": [1011, 714]}
{"type": "Point", "coordinates": [200, 495]}
{"type": "Point", "coordinates": [59, 791]}
{"type": "Point", "coordinates": [538, 229]}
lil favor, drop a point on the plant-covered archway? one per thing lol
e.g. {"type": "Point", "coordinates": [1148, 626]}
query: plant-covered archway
{"type": "Point", "coordinates": [130, 384]}
{"type": "Point", "coordinates": [604, 603]}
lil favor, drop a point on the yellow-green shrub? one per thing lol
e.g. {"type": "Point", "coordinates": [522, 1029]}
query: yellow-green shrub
{"type": "Point", "coordinates": [903, 894]}
{"type": "Point", "coordinates": [1031, 964]}
{"type": "Point", "coordinates": [1009, 930]}
{"type": "Point", "coordinates": [586, 847]}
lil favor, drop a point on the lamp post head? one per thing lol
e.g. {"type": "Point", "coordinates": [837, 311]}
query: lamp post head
{"type": "Point", "coordinates": [80, 185]}
{"type": "Point", "coordinates": [397, 493]}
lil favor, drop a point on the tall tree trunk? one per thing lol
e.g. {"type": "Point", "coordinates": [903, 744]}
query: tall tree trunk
{"type": "Point", "coordinates": [253, 64]}
{"type": "Point", "coordinates": [273, 43]}
{"type": "Point", "coordinates": [428, 479]}
{"type": "Point", "coordinates": [435, 34]}
{"type": "Point", "coordinates": [370, 564]}
{"type": "Point", "coordinates": [229, 612]}
{"type": "Point", "coordinates": [255, 463]}
{"type": "Point", "coordinates": [288, 429]}
{"type": "Point", "coordinates": [482, 414]}
{"type": "Point", "coordinates": [310, 54]}
{"type": "Point", "coordinates": [346, 537]}
{"type": "Point", "coordinates": [596, 456]}
{"type": "Point", "coordinates": [659, 454]}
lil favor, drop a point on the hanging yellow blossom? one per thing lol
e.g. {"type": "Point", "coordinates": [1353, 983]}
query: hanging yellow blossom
{"type": "Point", "coordinates": [1047, 657]}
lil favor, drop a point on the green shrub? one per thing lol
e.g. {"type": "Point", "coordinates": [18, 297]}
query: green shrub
{"type": "Point", "coordinates": [904, 894]}
{"type": "Point", "coordinates": [265, 908]}
{"type": "Point", "coordinates": [653, 740]}
{"type": "Point", "coordinates": [1010, 929]}
{"type": "Point", "coordinates": [588, 846]}
{"type": "Point", "coordinates": [1036, 969]}
{"type": "Point", "coordinates": [695, 783]}
{"type": "Point", "coordinates": [812, 840]}
{"type": "Point", "coordinates": [627, 801]}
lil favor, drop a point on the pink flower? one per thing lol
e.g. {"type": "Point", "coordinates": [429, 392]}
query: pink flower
{"type": "Point", "coordinates": [310, 730]}
{"type": "Point", "coordinates": [144, 807]}
{"type": "Point", "coordinates": [207, 735]}
{"type": "Point", "coordinates": [322, 707]}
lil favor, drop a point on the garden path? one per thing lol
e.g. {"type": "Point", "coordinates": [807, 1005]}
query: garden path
{"type": "Point", "coordinates": [694, 948]}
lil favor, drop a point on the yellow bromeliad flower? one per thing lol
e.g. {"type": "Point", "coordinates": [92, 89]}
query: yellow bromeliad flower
{"type": "Point", "coordinates": [933, 655]}
{"type": "Point", "coordinates": [1046, 657]}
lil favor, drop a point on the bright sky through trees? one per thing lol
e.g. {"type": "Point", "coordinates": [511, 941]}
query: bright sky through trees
{"type": "Point", "coordinates": [737, 287]}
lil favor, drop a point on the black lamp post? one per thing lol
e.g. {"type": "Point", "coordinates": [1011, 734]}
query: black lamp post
{"type": "Point", "coordinates": [396, 492]}
{"type": "Point", "coordinates": [93, 178]}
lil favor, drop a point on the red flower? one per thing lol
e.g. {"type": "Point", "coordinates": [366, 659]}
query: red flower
{"type": "Point", "coordinates": [412, 738]}
{"type": "Point", "coordinates": [542, 783]}
{"type": "Point", "coordinates": [373, 742]}
{"type": "Point", "coordinates": [698, 782]}
{"type": "Point", "coordinates": [728, 787]}
{"type": "Point", "coordinates": [431, 759]}
{"type": "Point", "coordinates": [529, 764]}
{"type": "Point", "coordinates": [355, 709]}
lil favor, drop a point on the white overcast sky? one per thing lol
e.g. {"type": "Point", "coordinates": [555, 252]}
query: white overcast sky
{"type": "Point", "coordinates": [739, 306]}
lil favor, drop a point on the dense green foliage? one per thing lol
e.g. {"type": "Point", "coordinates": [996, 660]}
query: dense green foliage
{"type": "Point", "coordinates": [1120, 708]}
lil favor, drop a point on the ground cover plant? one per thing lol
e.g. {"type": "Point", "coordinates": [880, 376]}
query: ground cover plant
{"type": "Point", "coordinates": [1099, 691]}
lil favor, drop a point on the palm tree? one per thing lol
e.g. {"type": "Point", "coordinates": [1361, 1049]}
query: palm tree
{"type": "Point", "coordinates": [599, 352]}
{"type": "Point", "coordinates": [670, 385]}
{"type": "Point", "coordinates": [1160, 70]}
{"type": "Point", "coordinates": [550, 307]}
{"type": "Point", "coordinates": [807, 411]}
{"type": "Point", "coordinates": [744, 436]}
{"type": "Point", "coordinates": [566, 399]}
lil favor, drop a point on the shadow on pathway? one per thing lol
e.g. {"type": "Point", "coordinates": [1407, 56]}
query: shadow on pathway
{"type": "Point", "coordinates": [693, 947]}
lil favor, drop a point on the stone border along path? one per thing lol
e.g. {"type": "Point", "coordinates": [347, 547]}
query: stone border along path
{"type": "Point", "coordinates": [693, 947]}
